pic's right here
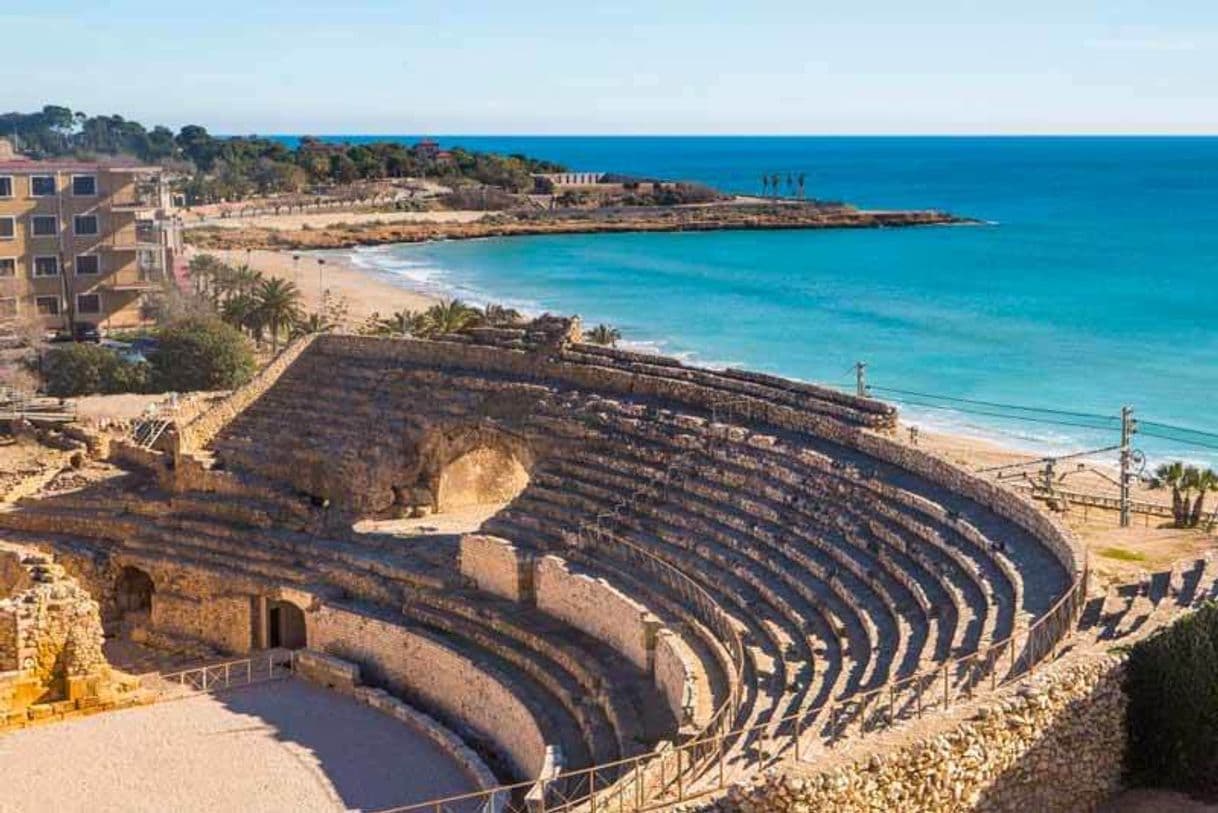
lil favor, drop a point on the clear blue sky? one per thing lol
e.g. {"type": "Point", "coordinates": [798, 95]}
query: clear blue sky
{"type": "Point", "coordinates": [661, 66]}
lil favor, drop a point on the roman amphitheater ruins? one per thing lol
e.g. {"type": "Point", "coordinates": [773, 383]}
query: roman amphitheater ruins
{"type": "Point", "coordinates": [627, 583]}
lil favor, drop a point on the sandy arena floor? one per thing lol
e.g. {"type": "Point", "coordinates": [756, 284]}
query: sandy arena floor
{"type": "Point", "coordinates": [283, 746]}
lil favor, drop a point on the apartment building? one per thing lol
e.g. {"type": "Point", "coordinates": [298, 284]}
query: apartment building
{"type": "Point", "coordinates": [82, 243]}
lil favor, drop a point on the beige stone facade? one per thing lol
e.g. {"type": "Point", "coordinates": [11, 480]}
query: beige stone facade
{"type": "Point", "coordinates": [83, 242]}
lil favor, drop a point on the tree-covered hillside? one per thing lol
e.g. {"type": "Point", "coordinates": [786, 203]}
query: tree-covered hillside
{"type": "Point", "coordinates": [232, 168]}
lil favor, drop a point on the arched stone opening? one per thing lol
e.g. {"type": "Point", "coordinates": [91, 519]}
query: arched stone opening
{"type": "Point", "coordinates": [483, 476]}
{"type": "Point", "coordinates": [286, 626]}
{"type": "Point", "coordinates": [133, 592]}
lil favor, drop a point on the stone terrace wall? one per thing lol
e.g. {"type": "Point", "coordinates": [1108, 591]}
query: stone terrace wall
{"type": "Point", "coordinates": [1056, 744]}
{"type": "Point", "coordinates": [203, 427]}
{"type": "Point", "coordinates": [444, 679]}
{"type": "Point", "coordinates": [692, 391]}
{"type": "Point", "coordinates": [1002, 501]}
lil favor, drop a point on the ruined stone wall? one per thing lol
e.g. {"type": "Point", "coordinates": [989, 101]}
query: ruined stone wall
{"type": "Point", "coordinates": [496, 566]}
{"type": "Point", "coordinates": [1056, 744]}
{"type": "Point", "coordinates": [676, 677]}
{"type": "Point", "coordinates": [220, 621]}
{"type": "Point", "coordinates": [597, 608]}
{"type": "Point", "coordinates": [457, 686]}
{"type": "Point", "coordinates": [50, 632]}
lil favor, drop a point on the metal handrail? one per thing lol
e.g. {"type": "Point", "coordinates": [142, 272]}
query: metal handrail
{"type": "Point", "coordinates": [1061, 616]}
{"type": "Point", "coordinates": [215, 677]}
{"type": "Point", "coordinates": [628, 775]}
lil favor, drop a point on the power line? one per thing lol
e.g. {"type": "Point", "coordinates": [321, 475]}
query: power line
{"type": "Point", "coordinates": [1030, 418]}
{"type": "Point", "coordinates": [1181, 429]}
{"type": "Point", "coordinates": [997, 404]}
{"type": "Point", "coordinates": [1187, 442]}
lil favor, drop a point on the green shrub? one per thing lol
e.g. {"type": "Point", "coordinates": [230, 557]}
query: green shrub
{"type": "Point", "coordinates": [87, 369]}
{"type": "Point", "coordinates": [1173, 706]}
{"type": "Point", "coordinates": [200, 354]}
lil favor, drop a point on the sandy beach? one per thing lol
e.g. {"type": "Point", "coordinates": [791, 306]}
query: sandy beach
{"type": "Point", "coordinates": [363, 292]}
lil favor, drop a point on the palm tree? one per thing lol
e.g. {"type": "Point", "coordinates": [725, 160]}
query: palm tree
{"type": "Point", "coordinates": [776, 184]}
{"type": "Point", "coordinates": [1171, 475]}
{"type": "Point", "coordinates": [204, 271]}
{"type": "Point", "coordinates": [604, 334]}
{"type": "Point", "coordinates": [801, 179]}
{"type": "Point", "coordinates": [238, 310]}
{"type": "Point", "coordinates": [499, 316]}
{"type": "Point", "coordinates": [278, 307]}
{"type": "Point", "coordinates": [402, 323]}
{"type": "Point", "coordinates": [313, 323]}
{"type": "Point", "coordinates": [449, 316]}
{"type": "Point", "coordinates": [765, 185]}
{"type": "Point", "coordinates": [1202, 480]}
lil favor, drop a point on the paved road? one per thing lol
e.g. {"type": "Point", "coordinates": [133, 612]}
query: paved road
{"type": "Point", "coordinates": [282, 746]}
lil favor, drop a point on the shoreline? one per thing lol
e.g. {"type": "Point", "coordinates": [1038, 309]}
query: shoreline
{"type": "Point", "coordinates": [364, 291]}
{"type": "Point", "coordinates": [493, 224]}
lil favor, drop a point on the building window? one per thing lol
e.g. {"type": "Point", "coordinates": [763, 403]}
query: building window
{"type": "Point", "coordinates": [47, 305]}
{"type": "Point", "coordinates": [42, 186]}
{"type": "Point", "coordinates": [88, 264]}
{"type": "Point", "coordinates": [8, 266]}
{"type": "Point", "coordinates": [84, 225]}
{"type": "Point", "coordinates": [6, 186]}
{"type": "Point", "coordinates": [8, 228]}
{"type": "Point", "coordinates": [46, 266]}
{"type": "Point", "coordinates": [8, 306]}
{"type": "Point", "coordinates": [88, 304]}
{"type": "Point", "coordinates": [84, 186]}
{"type": "Point", "coordinates": [44, 226]}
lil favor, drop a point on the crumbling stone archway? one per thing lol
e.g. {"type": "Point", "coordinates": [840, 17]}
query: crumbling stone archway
{"type": "Point", "coordinates": [133, 590]}
{"type": "Point", "coordinates": [484, 475]}
{"type": "Point", "coordinates": [462, 467]}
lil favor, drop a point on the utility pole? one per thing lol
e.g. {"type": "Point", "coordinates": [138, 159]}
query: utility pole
{"type": "Point", "coordinates": [860, 379]}
{"type": "Point", "coordinates": [1128, 428]}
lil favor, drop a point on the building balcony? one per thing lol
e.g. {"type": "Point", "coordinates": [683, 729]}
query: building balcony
{"type": "Point", "coordinates": [147, 274]}
{"type": "Point", "coordinates": [138, 198]}
{"type": "Point", "coordinates": [144, 235]}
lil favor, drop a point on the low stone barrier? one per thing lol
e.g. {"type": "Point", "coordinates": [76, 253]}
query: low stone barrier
{"type": "Point", "coordinates": [344, 676]}
{"type": "Point", "coordinates": [1055, 744]}
{"type": "Point", "coordinates": [327, 670]}
{"type": "Point", "coordinates": [460, 688]}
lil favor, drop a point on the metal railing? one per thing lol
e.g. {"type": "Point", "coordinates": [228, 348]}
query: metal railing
{"type": "Point", "coordinates": [701, 766]}
{"type": "Point", "coordinates": [18, 405]}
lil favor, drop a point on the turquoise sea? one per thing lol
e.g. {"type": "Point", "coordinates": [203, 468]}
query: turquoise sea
{"type": "Point", "coordinates": [1092, 285]}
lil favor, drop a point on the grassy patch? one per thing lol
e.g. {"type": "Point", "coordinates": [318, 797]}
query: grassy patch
{"type": "Point", "coordinates": [1122, 554]}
